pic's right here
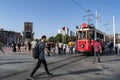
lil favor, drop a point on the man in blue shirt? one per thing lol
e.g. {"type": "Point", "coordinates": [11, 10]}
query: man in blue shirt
{"type": "Point", "coordinates": [41, 59]}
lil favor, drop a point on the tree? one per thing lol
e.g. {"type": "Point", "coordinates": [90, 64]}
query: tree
{"type": "Point", "coordinates": [51, 39]}
{"type": "Point", "coordinates": [72, 38]}
{"type": "Point", "coordinates": [66, 39]}
{"type": "Point", "coordinates": [59, 38]}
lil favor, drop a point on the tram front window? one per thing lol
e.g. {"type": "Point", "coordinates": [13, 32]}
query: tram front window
{"type": "Point", "coordinates": [82, 35]}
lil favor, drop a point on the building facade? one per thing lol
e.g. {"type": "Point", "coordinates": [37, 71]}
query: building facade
{"type": "Point", "coordinates": [66, 31]}
{"type": "Point", "coordinates": [7, 37]}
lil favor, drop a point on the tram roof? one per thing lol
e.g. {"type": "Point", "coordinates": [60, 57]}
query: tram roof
{"type": "Point", "coordinates": [90, 28]}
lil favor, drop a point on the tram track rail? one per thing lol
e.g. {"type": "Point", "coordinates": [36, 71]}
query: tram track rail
{"type": "Point", "coordinates": [63, 63]}
{"type": "Point", "coordinates": [54, 66]}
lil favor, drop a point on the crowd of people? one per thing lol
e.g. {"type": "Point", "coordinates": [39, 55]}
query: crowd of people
{"type": "Point", "coordinates": [57, 48]}
{"type": "Point", "coordinates": [101, 47]}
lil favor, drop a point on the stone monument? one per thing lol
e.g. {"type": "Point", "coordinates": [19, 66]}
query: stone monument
{"type": "Point", "coordinates": [28, 32]}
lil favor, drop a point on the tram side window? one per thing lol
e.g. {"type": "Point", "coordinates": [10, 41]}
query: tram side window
{"type": "Point", "coordinates": [100, 36]}
{"type": "Point", "coordinates": [92, 35]}
{"type": "Point", "coordinates": [97, 35]}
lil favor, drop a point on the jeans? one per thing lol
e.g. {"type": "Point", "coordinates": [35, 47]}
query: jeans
{"type": "Point", "coordinates": [71, 50]}
{"type": "Point", "coordinates": [38, 65]}
{"type": "Point", "coordinates": [96, 54]}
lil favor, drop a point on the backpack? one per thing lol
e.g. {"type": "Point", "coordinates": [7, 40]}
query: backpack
{"type": "Point", "coordinates": [35, 53]}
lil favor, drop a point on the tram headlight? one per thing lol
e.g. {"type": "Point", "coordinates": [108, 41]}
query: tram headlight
{"type": "Point", "coordinates": [82, 46]}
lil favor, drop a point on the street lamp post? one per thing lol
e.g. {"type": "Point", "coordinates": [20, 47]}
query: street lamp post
{"type": "Point", "coordinates": [114, 31]}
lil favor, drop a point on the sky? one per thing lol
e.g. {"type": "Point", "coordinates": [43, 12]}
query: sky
{"type": "Point", "coordinates": [50, 15]}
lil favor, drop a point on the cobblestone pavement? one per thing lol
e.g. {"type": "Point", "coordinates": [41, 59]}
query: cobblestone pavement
{"type": "Point", "coordinates": [65, 67]}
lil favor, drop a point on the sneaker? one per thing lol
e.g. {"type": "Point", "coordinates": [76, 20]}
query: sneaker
{"type": "Point", "coordinates": [49, 74]}
{"type": "Point", "coordinates": [31, 78]}
{"type": "Point", "coordinates": [99, 61]}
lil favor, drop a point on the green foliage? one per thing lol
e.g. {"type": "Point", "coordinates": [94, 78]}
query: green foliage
{"type": "Point", "coordinates": [51, 39]}
{"type": "Point", "coordinates": [72, 38]}
{"type": "Point", "coordinates": [58, 38]}
{"type": "Point", "coordinates": [61, 38]}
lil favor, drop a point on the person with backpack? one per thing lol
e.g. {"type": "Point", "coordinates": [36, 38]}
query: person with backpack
{"type": "Point", "coordinates": [41, 58]}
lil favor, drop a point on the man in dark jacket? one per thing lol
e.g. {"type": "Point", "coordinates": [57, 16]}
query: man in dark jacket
{"type": "Point", "coordinates": [41, 59]}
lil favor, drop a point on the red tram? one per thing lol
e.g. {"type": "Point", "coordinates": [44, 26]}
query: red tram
{"type": "Point", "coordinates": [86, 36]}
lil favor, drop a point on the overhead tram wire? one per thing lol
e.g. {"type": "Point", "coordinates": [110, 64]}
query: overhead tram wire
{"type": "Point", "coordinates": [87, 11]}
{"type": "Point", "coordinates": [79, 6]}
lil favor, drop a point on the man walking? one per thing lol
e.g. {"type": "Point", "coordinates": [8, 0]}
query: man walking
{"type": "Point", "coordinates": [41, 59]}
{"type": "Point", "coordinates": [1, 47]}
{"type": "Point", "coordinates": [97, 50]}
{"type": "Point", "coordinates": [33, 44]}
